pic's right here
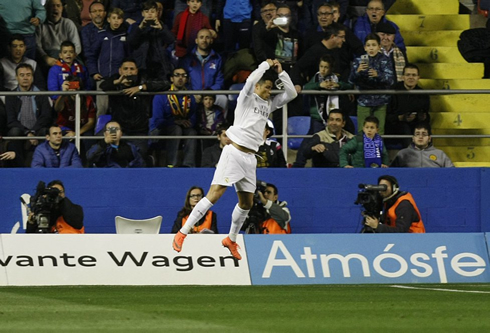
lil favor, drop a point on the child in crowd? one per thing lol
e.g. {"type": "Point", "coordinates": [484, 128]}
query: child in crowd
{"type": "Point", "coordinates": [148, 40]}
{"type": "Point", "coordinates": [324, 79]}
{"type": "Point", "coordinates": [366, 150]}
{"type": "Point", "coordinates": [210, 117]}
{"type": "Point", "coordinates": [372, 72]}
{"type": "Point", "coordinates": [186, 26]}
{"type": "Point", "coordinates": [67, 67]}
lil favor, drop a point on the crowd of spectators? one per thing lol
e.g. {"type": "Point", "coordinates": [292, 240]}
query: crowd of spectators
{"type": "Point", "coordinates": [150, 46]}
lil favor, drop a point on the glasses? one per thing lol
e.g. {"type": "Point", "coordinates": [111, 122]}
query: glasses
{"type": "Point", "coordinates": [421, 134]}
{"type": "Point", "coordinates": [375, 9]}
{"type": "Point", "coordinates": [180, 74]}
{"type": "Point", "coordinates": [325, 13]}
{"type": "Point", "coordinates": [196, 196]}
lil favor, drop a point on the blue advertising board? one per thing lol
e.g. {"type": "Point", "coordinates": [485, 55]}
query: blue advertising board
{"type": "Point", "coordinates": [367, 258]}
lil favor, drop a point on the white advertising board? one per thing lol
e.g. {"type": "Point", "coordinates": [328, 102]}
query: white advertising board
{"type": "Point", "coordinates": [97, 259]}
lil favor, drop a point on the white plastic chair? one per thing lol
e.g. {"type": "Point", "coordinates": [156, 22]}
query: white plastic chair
{"type": "Point", "coordinates": [146, 226]}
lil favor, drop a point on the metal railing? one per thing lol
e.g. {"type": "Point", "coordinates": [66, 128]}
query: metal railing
{"type": "Point", "coordinates": [284, 136]}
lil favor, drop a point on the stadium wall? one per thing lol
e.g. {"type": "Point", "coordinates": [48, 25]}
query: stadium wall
{"type": "Point", "coordinates": [320, 200]}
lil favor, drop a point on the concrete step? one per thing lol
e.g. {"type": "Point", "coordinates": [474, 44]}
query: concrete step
{"type": "Point", "coordinates": [425, 7]}
{"type": "Point", "coordinates": [460, 103]}
{"type": "Point", "coordinates": [451, 71]}
{"type": "Point", "coordinates": [431, 38]}
{"type": "Point", "coordinates": [471, 164]}
{"type": "Point", "coordinates": [434, 54]}
{"type": "Point", "coordinates": [454, 84]}
{"type": "Point", "coordinates": [458, 121]}
{"type": "Point", "coordinates": [459, 141]}
{"type": "Point", "coordinates": [430, 22]}
{"type": "Point", "coordinates": [467, 154]}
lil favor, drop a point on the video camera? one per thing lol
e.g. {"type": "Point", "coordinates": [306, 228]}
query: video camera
{"type": "Point", "coordinates": [42, 205]}
{"type": "Point", "coordinates": [258, 213]}
{"type": "Point", "coordinates": [371, 201]}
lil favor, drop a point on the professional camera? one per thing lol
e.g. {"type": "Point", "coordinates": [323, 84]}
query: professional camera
{"type": "Point", "coordinates": [371, 201]}
{"type": "Point", "coordinates": [42, 205]}
{"type": "Point", "coordinates": [258, 213]}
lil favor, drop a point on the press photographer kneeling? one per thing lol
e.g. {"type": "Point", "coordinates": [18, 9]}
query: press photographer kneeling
{"type": "Point", "coordinates": [52, 212]}
{"type": "Point", "coordinates": [268, 215]}
{"type": "Point", "coordinates": [399, 211]}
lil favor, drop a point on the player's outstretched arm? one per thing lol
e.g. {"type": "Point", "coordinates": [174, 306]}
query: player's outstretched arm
{"type": "Point", "coordinates": [289, 91]}
{"type": "Point", "coordinates": [255, 76]}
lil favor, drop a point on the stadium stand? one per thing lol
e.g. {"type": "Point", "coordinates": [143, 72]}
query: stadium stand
{"type": "Point", "coordinates": [431, 30]}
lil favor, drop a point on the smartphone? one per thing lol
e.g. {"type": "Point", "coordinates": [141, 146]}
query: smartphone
{"type": "Point", "coordinates": [132, 78]}
{"type": "Point", "coordinates": [74, 85]}
{"type": "Point", "coordinates": [150, 22]}
{"type": "Point", "coordinates": [365, 58]}
{"type": "Point", "coordinates": [280, 21]}
{"type": "Point", "coordinates": [112, 130]}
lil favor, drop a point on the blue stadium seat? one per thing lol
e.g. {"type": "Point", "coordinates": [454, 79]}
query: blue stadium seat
{"type": "Point", "coordinates": [354, 121]}
{"type": "Point", "coordinates": [299, 125]}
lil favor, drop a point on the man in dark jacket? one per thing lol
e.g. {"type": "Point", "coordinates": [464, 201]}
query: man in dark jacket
{"type": "Point", "coordinates": [27, 115]}
{"type": "Point", "coordinates": [111, 152]}
{"type": "Point", "coordinates": [131, 110]}
{"type": "Point", "coordinates": [56, 153]}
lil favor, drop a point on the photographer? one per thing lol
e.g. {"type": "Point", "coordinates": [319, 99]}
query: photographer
{"type": "Point", "coordinates": [52, 212]}
{"type": "Point", "coordinates": [400, 213]}
{"type": "Point", "coordinates": [268, 215]}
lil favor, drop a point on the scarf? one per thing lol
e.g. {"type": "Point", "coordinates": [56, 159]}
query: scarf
{"type": "Point", "coordinates": [372, 151]}
{"type": "Point", "coordinates": [73, 70]}
{"type": "Point", "coordinates": [179, 111]}
{"type": "Point", "coordinates": [325, 103]}
{"type": "Point", "coordinates": [399, 61]}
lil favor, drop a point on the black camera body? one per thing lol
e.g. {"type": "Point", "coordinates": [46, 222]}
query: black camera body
{"type": "Point", "coordinates": [43, 203]}
{"type": "Point", "coordinates": [370, 199]}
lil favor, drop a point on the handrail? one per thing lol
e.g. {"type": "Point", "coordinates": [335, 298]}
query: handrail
{"type": "Point", "coordinates": [284, 136]}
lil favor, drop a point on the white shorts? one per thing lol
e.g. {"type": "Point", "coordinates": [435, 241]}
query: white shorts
{"type": "Point", "coordinates": [238, 168]}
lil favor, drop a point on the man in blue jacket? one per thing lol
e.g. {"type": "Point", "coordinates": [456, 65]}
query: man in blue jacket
{"type": "Point", "coordinates": [56, 153]}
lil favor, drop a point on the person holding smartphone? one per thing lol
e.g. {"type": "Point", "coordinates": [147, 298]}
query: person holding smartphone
{"type": "Point", "coordinates": [112, 152]}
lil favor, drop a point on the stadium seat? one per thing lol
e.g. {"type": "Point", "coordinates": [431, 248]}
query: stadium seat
{"type": "Point", "coordinates": [354, 121]}
{"type": "Point", "coordinates": [25, 200]}
{"type": "Point", "coordinates": [146, 226]}
{"type": "Point", "coordinates": [299, 125]}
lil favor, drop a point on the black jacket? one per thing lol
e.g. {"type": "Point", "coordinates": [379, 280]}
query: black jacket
{"type": "Point", "coordinates": [44, 113]}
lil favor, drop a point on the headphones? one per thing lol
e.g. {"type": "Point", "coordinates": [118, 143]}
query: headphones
{"type": "Point", "coordinates": [394, 183]}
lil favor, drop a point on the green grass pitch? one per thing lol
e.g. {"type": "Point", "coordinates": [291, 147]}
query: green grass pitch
{"type": "Point", "coordinates": [313, 308]}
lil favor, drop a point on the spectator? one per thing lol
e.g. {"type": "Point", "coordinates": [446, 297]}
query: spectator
{"type": "Point", "coordinates": [400, 213]}
{"type": "Point", "coordinates": [206, 8]}
{"type": "Point", "coordinates": [211, 116]}
{"type": "Point", "coordinates": [56, 153]}
{"type": "Point", "coordinates": [17, 50]}
{"type": "Point", "coordinates": [206, 225]}
{"type": "Point", "coordinates": [130, 109]}
{"type": "Point", "coordinates": [175, 115]}
{"type": "Point", "coordinates": [8, 158]}
{"type": "Point", "coordinates": [368, 23]}
{"type": "Point", "coordinates": [112, 152]}
{"type": "Point", "coordinates": [269, 215]}
{"type": "Point", "coordinates": [131, 8]}
{"type": "Point", "coordinates": [4, 39]}
{"type": "Point", "coordinates": [421, 153]}
{"type": "Point", "coordinates": [148, 40]}
{"type": "Point", "coordinates": [52, 33]}
{"type": "Point", "coordinates": [65, 217]}
{"type": "Point", "coordinates": [324, 17]}
{"type": "Point", "coordinates": [311, 8]}
{"type": "Point", "coordinates": [67, 68]}
{"type": "Point", "coordinates": [98, 13]}
{"type": "Point", "coordinates": [107, 52]}
{"type": "Point", "coordinates": [386, 33]}
{"type": "Point", "coordinates": [22, 17]}
{"type": "Point", "coordinates": [406, 111]}
{"type": "Point", "coordinates": [372, 72]}
{"type": "Point", "coordinates": [27, 115]}
{"type": "Point", "coordinates": [79, 11]}
{"type": "Point", "coordinates": [263, 38]}
{"type": "Point", "coordinates": [186, 26]}
{"type": "Point", "coordinates": [323, 148]}
{"type": "Point", "coordinates": [234, 17]}
{"type": "Point", "coordinates": [270, 154]}
{"type": "Point", "coordinates": [211, 155]}
{"type": "Point", "coordinates": [366, 150]}
{"type": "Point", "coordinates": [307, 66]}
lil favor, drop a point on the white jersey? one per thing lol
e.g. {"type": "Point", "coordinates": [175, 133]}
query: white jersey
{"type": "Point", "coordinates": [252, 112]}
